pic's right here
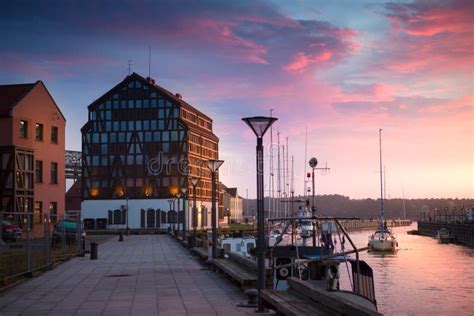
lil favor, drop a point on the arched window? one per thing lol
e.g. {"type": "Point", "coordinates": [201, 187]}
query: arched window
{"type": "Point", "coordinates": [150, 218]}
{"type": "Point", "coordinates": [172, 216]}
{"type": "Point", "coordinates": [117, 217]}
{"type": "Point", "coordinates": [163, 217]}
{"type": "Point", "coordinates": [142, 218]}
{"type": "Point", "coordinates": [158, 218]}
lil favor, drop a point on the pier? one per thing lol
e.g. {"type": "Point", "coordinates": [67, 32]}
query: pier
{"type": "Point", "coordinates": [144, 275]}
{"type": "Point", "coordinates": [463, 233]}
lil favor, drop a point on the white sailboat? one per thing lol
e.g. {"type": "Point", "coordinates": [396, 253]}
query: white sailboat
{"type": "Point", "coordinates": [382, 239]}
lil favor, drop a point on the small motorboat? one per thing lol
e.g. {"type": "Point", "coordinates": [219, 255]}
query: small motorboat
{"type": "Point", "coordinates": [443, 236]}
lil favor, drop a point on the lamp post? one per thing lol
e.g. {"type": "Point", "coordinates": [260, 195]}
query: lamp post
{"type": "Point", "coordinates": [313, 162]}
{"type": "Point", "coordinates": [214, 165]}
{"type": "Point", "coordinates": [194, 182]}
{"type": "Point", "coordinates": [183, 191]}
{"type": "Point", "coordinates": [128, 228]}
{"type": "Point", "coordinates": [259, 125]}
{"type": "Point", "coordinates": [178, 197]}
{"type": "Point", "coordinates": [171, 202]}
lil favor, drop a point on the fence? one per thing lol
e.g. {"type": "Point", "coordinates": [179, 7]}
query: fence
{"type": "Point", "coordinates": [33, 251]}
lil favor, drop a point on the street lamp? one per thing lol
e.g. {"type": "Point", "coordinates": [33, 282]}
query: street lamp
{"type": "Point", "coordinates": [259, 125]}
{"type": "Point", "coordinates": [214, 165]}
{"type": "Point", "coordinates": [194, 182]}
{"type": "Point", "coordinates": [313, 162]}
{"type": "Point", "coordinates": [171, 202]}
{"type": "Point", "coordinates": [183, 191]}
{"type": "Point", "coordinates": [178, 197]}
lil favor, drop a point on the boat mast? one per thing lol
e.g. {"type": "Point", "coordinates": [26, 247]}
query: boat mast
{"type": "Point", "coordinates": [278, 176]}
{"type": "Point", "coordinates": [287, 174]}
{"type": "Point", "coordinates": [381, 178]}
{"type": "Point", "coordinates": [284, 181]}
{"type": "Point", "coordinates": [270, 180]}
{"type": "Point", "coordinates": [305, 180]}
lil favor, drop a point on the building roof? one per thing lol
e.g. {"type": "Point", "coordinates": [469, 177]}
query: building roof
{"type": "Point", "coordinates": [231, 191]}
{"type": "Point", "coordinates": [151, 83]}
{"type": "Point", "coordinates": [11, 94]}
{"type": "Point", "coordinates": [74, 196]}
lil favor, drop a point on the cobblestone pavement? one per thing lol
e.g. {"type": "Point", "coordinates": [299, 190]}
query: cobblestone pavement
{"type": "Point", "coordinates": [144, 275]}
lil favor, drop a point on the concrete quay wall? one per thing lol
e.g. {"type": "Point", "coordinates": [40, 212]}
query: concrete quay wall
{"type": "Point", "coordinates": [372, 224]}
{"type": "Point", "coordinates": [463, 233]}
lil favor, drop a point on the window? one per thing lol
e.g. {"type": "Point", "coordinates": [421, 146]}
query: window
{"type": "Point", "coordinates": [53, 212]}
{"type": "Point", "coordinates": [23, 129]}
{"type": "Point", "coordinates": [54, 172]}
{"type": "Point", "coordinates": [39, 171]}
{"type": "Point", "coordinates": [38, 212]}
{"type": "Point", "coordinates": [54, 134]}
{"type": "Point", "coordinates": [38, 131]}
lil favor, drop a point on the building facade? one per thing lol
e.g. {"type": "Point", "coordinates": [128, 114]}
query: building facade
{"type": "Point", "coordinates": [32, 146]}
{"type": "Point", "coordinates": [140, 146]}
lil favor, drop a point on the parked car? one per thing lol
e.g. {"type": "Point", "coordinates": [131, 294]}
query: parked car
{"type": "Point", "coordinates": [10, 231]}
{"type": "Point", "coordinates": [67, 229]}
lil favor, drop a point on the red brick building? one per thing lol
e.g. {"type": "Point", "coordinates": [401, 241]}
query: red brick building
{"type": "Point", "coordinates": [32, 146]}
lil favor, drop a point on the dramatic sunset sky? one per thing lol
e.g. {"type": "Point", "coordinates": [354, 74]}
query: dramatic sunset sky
{"type": "Point", "coordinates": [341, 69]}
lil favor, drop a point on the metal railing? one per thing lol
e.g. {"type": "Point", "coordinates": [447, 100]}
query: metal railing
{"type": "Point", "coordinates": [38, 248]}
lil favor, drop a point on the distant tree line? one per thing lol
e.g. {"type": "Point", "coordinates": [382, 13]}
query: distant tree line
{"type": "Point", "coordinates": [339, 205]}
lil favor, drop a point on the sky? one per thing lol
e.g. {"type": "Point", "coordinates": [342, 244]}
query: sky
{"type": "Point", "coordinates": [336, 71]}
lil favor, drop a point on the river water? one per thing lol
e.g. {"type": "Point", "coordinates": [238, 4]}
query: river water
{"type": "Point", "coordinates": [423, 277]}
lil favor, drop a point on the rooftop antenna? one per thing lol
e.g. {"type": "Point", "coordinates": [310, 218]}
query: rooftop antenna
{"type": "Point", "coordinates": [149, 61]}
{"type": "Point", "coordinates": [129, 66]}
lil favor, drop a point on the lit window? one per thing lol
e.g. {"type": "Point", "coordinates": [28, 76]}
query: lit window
{"type": "Point", "coordinates": [39, 131]}
{"type": "Point", "coordinates": [24, 129]}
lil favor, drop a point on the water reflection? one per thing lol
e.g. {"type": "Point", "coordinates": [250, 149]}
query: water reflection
{"type": "Point", "coordinates": [422, 277]}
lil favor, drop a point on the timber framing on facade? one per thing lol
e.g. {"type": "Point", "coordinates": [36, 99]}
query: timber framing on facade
{"type": "Point", "coordinates": [144, 142]}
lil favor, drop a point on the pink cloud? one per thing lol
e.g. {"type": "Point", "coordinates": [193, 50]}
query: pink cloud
{"type": "Point", "coordinates": [427, 18]}
{"type": "Point", "coordinates": [432, 37]}
{"type": "Point", "coordinates": [301, 61]}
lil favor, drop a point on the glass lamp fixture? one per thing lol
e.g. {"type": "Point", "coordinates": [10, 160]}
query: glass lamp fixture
{"type": "Point", "coordinates": [259, 124]}
{"type": "Point", "coordinates": [214, 165]}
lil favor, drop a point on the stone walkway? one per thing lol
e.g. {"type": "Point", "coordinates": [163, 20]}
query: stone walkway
{"type": "Point", "coordinates": [144, 275]}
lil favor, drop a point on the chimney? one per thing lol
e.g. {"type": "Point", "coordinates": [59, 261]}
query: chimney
{"type": "Point", "coordinates": [150, 80]}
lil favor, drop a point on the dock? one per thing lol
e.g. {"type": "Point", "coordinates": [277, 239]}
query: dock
{"type": "Point", "coordinates": [144, 275]}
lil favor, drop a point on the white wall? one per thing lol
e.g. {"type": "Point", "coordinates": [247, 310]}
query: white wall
{"type": "Point", "coordinates": [100, 209]}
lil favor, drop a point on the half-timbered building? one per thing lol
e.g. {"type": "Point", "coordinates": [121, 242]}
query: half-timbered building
{"type": "Point", "coordinates": [140, 146]}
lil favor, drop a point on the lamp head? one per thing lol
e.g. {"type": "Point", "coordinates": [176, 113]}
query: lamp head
{"type": "Point", "coordinates": [194, 181]}
{"type": "Point", "coordinates": [259, 124]}
{"type": "Point", "coordinates": [214, 165]}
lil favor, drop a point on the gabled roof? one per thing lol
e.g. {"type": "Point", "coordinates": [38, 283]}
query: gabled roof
{"type": "Point", "coordinates": [11, 94]}
{"type": "Point", "coordinates": [135, 76]}
{"type": "Point", "coordinates": [231, 191]}
{"type": "Point", "coordinates": [74, 196]}
{"type": "Point", "coordinates": [161, 90]}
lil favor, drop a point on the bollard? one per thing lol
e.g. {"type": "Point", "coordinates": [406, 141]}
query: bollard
{"type": "Point", "coordinates": [121, 236]}
{"type": "Point", "coordinates": [128, 231]}
{"type": "Point", "coordinates": [94, 250]}
{"type": "Point", "coordinates": [83, 246]}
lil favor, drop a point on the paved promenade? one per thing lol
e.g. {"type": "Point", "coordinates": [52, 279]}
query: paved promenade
{"type": "Point", "coordinates": [144, 275]}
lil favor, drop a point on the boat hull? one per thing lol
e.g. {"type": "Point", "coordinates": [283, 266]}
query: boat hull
{"type": "Point", "coordinates": [383, 245]}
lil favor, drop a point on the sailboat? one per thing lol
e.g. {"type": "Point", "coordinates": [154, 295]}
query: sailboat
{"type": "Point", "coordinates": [382, 239]}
